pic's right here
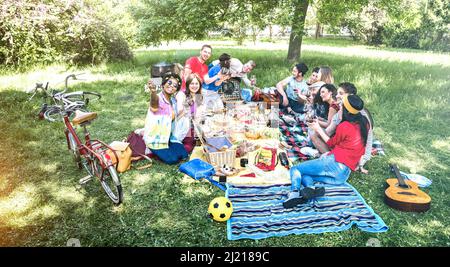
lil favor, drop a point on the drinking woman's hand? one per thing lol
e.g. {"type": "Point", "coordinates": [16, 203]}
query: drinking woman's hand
{"type": "Point", "coordinates": [314, 125]}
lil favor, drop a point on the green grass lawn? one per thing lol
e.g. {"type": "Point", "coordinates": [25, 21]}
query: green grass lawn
{"type": "Point", "coordinates": [41, 203]}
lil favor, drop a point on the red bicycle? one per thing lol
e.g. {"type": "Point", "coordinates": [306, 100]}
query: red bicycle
{"type": "Point", "coordinates": [92, 154]}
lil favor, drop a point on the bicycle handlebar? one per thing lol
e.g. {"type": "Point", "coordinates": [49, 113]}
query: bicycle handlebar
{"type": "Point", "coordinates": [73, 76]}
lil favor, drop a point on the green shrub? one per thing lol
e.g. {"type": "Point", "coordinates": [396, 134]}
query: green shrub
{"type": "Point", "coordinates": [421, 38]}
{"type": "Point", "coordinates": [34, 32]}
{"type": "Point", "coordinates": [96, 41]}
{"type": "Point", "coordinates": [427, 28]}
{"type": "Point", "coordinates": [397, 37]}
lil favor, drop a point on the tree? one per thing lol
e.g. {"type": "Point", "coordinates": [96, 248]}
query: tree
{"type": "Point", "coordinates": [298, 27]}
{"type": "Point", "coordinates": [365, 19]}
{"type": "Point", "coordinates": [165, 20]}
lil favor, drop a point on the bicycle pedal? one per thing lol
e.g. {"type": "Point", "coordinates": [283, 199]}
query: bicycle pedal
{"type": "Point", "coordinates": [85, 179]}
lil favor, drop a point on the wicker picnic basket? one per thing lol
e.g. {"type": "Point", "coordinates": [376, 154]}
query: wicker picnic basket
{"type": "Point", "coordinates": [214, 155]}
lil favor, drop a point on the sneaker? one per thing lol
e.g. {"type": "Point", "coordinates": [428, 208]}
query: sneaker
{"type": "Point", "coordinates": [309, 193]}
{"type": "Point", "coordinates": [293, 200]}
{"type": "Point", "coordinates": [309, 151]}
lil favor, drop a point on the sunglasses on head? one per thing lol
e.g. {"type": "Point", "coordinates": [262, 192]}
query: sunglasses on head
{"type": "Point", "coordinates": [172, 83]}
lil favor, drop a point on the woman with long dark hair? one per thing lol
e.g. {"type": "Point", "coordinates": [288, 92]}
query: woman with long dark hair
{"type": "Point", "coordinates": [161, 120]}
{"type": "Point", "coordinates": [347, 147]}
{"type": "Point", "coordinates": [327, 94]}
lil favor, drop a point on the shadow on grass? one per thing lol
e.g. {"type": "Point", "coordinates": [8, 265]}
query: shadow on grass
{"type": "Point", "coordinates": [42, 205]}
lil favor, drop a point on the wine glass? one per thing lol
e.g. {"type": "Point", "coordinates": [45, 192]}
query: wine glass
{"type": "Point", "coordinates": [253, 80]}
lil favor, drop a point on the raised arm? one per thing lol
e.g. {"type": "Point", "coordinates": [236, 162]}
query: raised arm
{"type": "Point", "coordinates": [280, 88]}
{"type": "Point", "coordinates": [211, 79]}
{"type": "Point", "coordinates": [154, 99]}
{"type": "Point", "coordinates": [187, 70]}
{"type": "Point", "coordinates": [181, 98]}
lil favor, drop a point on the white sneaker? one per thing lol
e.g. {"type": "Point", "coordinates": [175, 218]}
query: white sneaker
{"type": "Point", "coordinates": [309, 151]}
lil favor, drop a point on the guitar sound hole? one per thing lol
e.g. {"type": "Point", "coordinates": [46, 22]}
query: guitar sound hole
{"type": "Point", "coordinates": [406, 193]}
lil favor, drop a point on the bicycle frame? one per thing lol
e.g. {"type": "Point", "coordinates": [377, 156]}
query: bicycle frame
{"type": "Point", "coordinates": [94, 148]}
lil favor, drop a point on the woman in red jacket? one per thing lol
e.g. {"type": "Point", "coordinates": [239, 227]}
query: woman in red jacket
{"type": "Point", "coordinates": [347, 146]}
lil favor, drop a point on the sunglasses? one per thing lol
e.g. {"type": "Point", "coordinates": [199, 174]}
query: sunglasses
{"type": "Point", "coordinates": [172, 83]}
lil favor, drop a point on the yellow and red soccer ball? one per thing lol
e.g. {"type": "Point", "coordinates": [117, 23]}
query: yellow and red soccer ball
{"type": "Point", "coordinates": [220, 209]}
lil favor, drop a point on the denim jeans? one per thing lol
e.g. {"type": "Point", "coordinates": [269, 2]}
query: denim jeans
{"type": "Point", "coordinates": [324, 169]}
{"type": "Point", "coordinates": [172, 155]}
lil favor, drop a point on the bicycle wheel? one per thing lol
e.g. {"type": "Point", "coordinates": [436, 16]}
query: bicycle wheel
{"type": "Point", "coordinates": [74, 150]}
{"type": "Point", "coordinates": [109, 179]}
{"type": "Point", "coordinates": [53, 113]}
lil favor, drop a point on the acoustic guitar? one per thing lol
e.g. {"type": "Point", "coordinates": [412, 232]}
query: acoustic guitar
{"type": "Point", "coordinates": [405, 195]}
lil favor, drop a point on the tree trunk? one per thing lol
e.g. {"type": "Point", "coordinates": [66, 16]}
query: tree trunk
{"type": "Point", "coordinates": [270, 32]}
{"type": "Point", "coordinates": [318, 31]}
{"type": "Point", "coordinates": [297, 31]}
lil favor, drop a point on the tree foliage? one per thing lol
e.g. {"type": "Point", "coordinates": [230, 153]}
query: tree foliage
{"type": "Point", "coordinates": [422, 24]}
{"type": "Point", "coordinates": [167, 20]}
{"type": "Point", "coordinates": [364, 19]}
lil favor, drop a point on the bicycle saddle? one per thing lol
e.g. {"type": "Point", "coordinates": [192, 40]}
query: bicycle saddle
{"type": "Point", "coordinates": [81, 117]}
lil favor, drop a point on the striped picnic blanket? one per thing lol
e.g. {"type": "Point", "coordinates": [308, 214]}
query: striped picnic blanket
{"type": "Point", "coordinates": [258, 212]}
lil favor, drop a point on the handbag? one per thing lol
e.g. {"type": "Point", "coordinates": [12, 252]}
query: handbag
{"type": "Point", "coordinates": [197, 169]}
{"type": "Point", "coordinates": [123, 152]}
{"type": "Point", "coordinates": [137, 145]}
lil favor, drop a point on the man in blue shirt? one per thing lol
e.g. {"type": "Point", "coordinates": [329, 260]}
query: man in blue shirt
{"type": "Point", "coordinates": [213, 82]}
{"type": "Point", "coordinates": [239, 72]}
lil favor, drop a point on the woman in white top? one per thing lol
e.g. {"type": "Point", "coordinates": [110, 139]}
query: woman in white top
{"type": "Point", "coordinates": [189, 105]}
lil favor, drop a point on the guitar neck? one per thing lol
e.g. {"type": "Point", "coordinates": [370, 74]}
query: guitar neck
{"type": "Point", "coordinates": [401, 181]}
